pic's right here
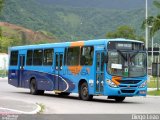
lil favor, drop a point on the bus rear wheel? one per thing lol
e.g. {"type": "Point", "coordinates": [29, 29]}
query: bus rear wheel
{"type": "Point", "coordinates": [119, 99]}
{"type": "Point", "coordinates": [33, 88]}
{"type": "Point", "coordinates": [84, 93]}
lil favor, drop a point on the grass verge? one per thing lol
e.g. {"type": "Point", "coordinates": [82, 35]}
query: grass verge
{"type": "Point", "coordinates": [42, 106]}
{"type": "Point", "coordinates": [153, 83]}
{"type": "Point", "coordinates": [155, 93]}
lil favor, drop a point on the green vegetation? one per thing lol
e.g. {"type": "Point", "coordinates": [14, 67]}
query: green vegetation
{"type": "Point", "coordinates": [155, 93]}
{"type": "Point", "coordinates": [1, 5]}
{"type": "Point", "coordinates": [71, 23]}
{"type": "Point", "coordinates": [12, 35]}
{"type": "Point", "coordinates": [124, 32]}
{"type": "Point", "coordinates": [153, 83]}
{"type": "Point", "coordinates": [9, 40]}
{"type": "Point", "coordinates": [3, 73]}
{"type": "Point", "coordinates": [5, 42]}
{"type": "Point", "coordinates": [67, 23]}
{"type": "Point", "coordinates": [153, 21]}
{"type": "Point", "coordinates": [42, 106]}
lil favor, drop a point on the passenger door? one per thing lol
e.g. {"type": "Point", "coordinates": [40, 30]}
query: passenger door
{"type": "Point", "coordinates": [21, 69]}
{"type": "Point", "coordinates": [99, 72]}
{"type": "Point", "coordinates": [58, 70]}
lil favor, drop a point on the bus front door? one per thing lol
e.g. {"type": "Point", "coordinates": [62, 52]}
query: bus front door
{"type": "Point", "coordinates": [21, 69]}
{"type": "Point", "coordinates": [58, 70]}
{"type": "Point", "coordinates": [99, 72]}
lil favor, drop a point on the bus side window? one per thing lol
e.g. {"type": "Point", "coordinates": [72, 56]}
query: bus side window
{"type": "Point", "coordinates": [48, 57]}
{"type": "Point", "coordinates": [29, 57]}
{"type": "Point", "coordinates": [87, 55]}
{"type": "Point", "coordinates": [14, 58]}
{"type": "Point", "coordinates": [56, 62]}
{"type": "Point", "coordinates": [38, 57]}
{"type": "Point", "coordinates": [61, 60]}
{"type": "Point", "coordinates": [73, 56]}
{"type": "Point", "coordinates": [65, 56]}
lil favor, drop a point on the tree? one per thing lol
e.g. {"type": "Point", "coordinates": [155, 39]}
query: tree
{"type": "Point", "coordinates": [157, 4]}
{"type": "Point", "coordinates": [1, 5]}
{"type": "Point", "coordinates": [124, 32]}
{"type": "Point", "coordinates": [153, 21]}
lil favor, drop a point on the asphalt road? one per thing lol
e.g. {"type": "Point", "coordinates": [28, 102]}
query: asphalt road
{"type": "Point", "coordinates": [72, 105]}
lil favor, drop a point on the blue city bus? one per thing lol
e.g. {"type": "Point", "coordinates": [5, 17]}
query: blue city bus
{"type": "Point", "coordinates": [116, 68]}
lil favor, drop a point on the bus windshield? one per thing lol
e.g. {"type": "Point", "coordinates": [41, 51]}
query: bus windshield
{"type": "Point", "coordinates": [127, 64]}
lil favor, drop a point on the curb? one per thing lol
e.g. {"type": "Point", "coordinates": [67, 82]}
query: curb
{"type": "Point", "coordinates": [151, 89]}
{"type": "Point", "coordinates": [4, 78]}
{"type": "Point", "coordinates": [152, 96]}
{"type": "Point", "coordinates": [22, 112]}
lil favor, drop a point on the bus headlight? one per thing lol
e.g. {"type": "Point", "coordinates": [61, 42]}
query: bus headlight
{"type": "Point", "coordinates": [111, 84]}
{"type": "Point", "coordinates": [144, 84]}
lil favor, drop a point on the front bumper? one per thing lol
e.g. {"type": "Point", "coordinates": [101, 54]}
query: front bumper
{"type": "Point", "coordinates": [126, 92]}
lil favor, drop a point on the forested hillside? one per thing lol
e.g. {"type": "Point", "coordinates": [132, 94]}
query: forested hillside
{"type": "Point", "coordinates": [107, 4]}
{"type": "Point", "coordinates": [13, 35]}
{"type": "Point", "coordinates": [69, 22]}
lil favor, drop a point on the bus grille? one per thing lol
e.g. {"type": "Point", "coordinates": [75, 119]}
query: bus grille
{"type": "Point", "coordinates": [127, 91]}
{"type": "Point", "coordinates": [129, 81]}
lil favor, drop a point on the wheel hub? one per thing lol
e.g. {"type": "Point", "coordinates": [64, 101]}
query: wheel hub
{"type": "Point", "coordinates": [85, 91]}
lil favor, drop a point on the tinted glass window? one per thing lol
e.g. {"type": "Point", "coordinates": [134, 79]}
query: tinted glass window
{"type": "Point", "coordinates": [29, 57]}
{"type": "Point", "coordinates": [61, 60]}
{"type": "Point", "coordinates": [65, 57]}
{"type": "Point", "coordinates": [37, 57]}
{"type": "Point", "coordinates": [73, 56]}
{"type": "Point", "coordinates": [48, 57]}
{"type": "Point", "coordinates": [87, 55]}
{"type": "Point", "coordinates": [14, 58]}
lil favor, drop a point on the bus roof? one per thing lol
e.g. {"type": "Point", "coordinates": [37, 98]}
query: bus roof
{"type": "Point", "coordinates": [68, 44]}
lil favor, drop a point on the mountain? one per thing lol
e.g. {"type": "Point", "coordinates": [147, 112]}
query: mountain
{"type": "Point", "coordinates": [70, 20]}
{"type": "Point", "coordinates": [107, 4]}
{"type": "Point", "coordinates": [28, 36]}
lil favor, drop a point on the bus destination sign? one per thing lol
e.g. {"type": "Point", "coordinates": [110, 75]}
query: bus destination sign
{"type": "Point", "coordinates": [124, 46]}
{"type": "Point", "coordinates": [121, 45]}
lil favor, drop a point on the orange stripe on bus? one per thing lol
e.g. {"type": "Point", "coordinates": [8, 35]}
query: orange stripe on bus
{"type": "Point", "coordinates": [116, 79]}
{"type": "Point", "coordinates": [79, 43]}
{"type": "Point", "coordinates": [75, 69]}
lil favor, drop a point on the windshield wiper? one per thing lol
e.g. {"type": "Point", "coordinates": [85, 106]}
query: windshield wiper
{"type": "Point", "coordinates": [125, 58]}
{"type": "Point", "coordinates": [134, 55]}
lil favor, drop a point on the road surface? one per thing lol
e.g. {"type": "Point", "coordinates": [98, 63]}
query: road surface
{"type": "Point", "coordinates": [55, 104]}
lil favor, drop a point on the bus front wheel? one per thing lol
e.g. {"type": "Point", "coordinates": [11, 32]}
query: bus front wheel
{"type": "Point", "coordinates": [84, 93]}
{"type": "Point", "coordinates": [33, 88]}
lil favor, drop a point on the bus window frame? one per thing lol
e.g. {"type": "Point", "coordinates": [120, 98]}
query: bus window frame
{"type": "Point", "coordinates": [92, 56]}
{"type": "Point", "coordinates": [52, 56]}
{"type": "Point", "coordinates": [11, 58]}
{"type": "Point", "coordinates": [27, 56]}
{"type": "Point", "coordinates": [66, 61]}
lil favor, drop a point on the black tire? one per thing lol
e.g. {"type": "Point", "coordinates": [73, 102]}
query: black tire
{"type": "Point", "coordinates": [33, 88]}
{"type": "Point", "coordinates": [84, 93]}
{"type": "Point", "coordinates": [119, 99]}
{"type": "Point", "coordinates": [64, 94]}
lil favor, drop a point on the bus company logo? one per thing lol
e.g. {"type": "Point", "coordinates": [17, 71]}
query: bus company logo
{"type": "Point", "coordinates": [145, 117]}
